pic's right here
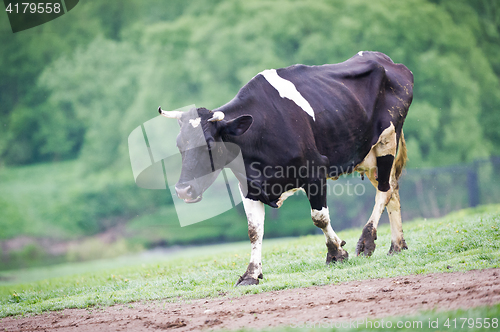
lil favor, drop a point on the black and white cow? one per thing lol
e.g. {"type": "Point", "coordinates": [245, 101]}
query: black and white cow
{"type": "Point", "coordinates": [299, 126]}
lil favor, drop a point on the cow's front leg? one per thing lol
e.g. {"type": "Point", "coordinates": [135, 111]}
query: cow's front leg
{"type": "Point", "coordinates": [321, 219]}
{"type": "Point", "coordinates": [255, 214]}
{"type": "Point", "coordinates": [334, 244]}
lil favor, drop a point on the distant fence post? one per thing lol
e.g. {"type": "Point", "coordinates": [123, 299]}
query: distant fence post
{"type": "Point", "coordinates": [473, 186]}
{"type": "Point", "coordinates": [496, 164]}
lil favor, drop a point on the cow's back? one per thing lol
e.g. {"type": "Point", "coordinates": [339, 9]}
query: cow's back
{"type": "Point", "coordinates": [353, 102]}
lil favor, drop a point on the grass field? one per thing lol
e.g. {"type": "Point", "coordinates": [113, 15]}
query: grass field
{"type": "Point", "coordinates": [466, 240]}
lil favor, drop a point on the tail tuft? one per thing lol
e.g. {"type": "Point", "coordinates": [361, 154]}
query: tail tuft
{"type": "Point", "coordinates": [402, 156]}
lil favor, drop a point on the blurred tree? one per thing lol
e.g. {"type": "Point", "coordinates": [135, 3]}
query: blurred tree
{"type": "Point", "coordinates": [483, 19]}
{"type": "Point", "coordinates": [23, 57]}
{"type": "Point", "coordinates": [115, 15]}
{"type": "Point", "coordinates": [90, 91]}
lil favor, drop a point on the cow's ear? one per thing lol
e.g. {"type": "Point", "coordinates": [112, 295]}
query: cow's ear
{"type": "Point", "coordinates": [238, 126]}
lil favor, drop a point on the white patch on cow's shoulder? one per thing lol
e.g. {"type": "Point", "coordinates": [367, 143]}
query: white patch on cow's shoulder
{"type": "Point", "coordinates": [360, 53]}
{"type": "Point", "coordinates": [287, 89]}
{"type": "Point", "coordinates": [195, 122]}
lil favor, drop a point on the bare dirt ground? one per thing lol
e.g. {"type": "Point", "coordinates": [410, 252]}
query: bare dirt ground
{"type": "Point", "coordinates": [346, 302]}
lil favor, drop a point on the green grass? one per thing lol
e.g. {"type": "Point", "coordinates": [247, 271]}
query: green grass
{"type": "Point", "coordinates": [465, 240]}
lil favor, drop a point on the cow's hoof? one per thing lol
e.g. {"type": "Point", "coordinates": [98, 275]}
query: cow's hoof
{"type": "Point", "coordinates": [337, 255]}
{"type": "Point", "coordinates": [366, 244]}
{"type": "Point", "coordinates": [397, 247]}
{"type": "Point", "coordinates": [246, 280]}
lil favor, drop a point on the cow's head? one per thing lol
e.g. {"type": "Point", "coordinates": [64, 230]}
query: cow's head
{"type": "Point", "coordinates": [201, 144]}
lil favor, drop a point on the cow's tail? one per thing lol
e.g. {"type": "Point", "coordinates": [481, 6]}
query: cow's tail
{"type": "Point", "coordinates": [401, 157]}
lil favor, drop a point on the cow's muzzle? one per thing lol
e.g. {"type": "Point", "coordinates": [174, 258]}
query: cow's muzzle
{"type": "Point", "coordinates": [186, 194]}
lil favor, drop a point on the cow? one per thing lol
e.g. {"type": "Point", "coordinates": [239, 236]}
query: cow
{"type": "Point", "coordinates": [324, 121]}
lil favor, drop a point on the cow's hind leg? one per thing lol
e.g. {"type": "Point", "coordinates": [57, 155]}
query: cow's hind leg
{"type": "Point", "coordinates": [379, 168]}
{"type": "Point", "coordinates": [255, 214]}
{"type": "Point", "coordinates": [366, 243]}
{"type": "Point", "coordinates": [390, 199]}
{"type": "Point", "coordinates": [398, 242]}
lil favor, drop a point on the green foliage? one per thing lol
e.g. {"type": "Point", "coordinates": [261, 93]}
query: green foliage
{"type": "Point", "coordinates": [465, 240]}
{"type": "Point", "coordinates": [483, 18]}
{"type": "Point", "coordinates": [19, 141]}
{"type": "Point", "coordinates": [100, 85]}
{"type": "Point", "coordinates": [93, 87]}
{"type": "Point", "coordinates": [23, 57]}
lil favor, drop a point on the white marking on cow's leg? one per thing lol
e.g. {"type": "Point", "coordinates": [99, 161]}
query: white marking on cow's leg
{"type": "Point", "coordinates": [255, 215]}
{"type": "Point", "coordinates": [287, 89]}
{"type": "Point", "coordinates": [321, 219]}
